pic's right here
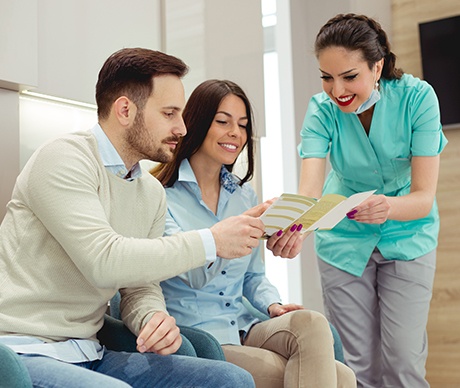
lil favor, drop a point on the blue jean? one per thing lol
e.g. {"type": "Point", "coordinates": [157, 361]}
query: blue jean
{"type": "Point", "coordinates": [122, 370]}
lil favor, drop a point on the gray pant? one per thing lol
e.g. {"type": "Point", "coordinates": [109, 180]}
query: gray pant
{"type": "Point", "coordinates": [382, 318]}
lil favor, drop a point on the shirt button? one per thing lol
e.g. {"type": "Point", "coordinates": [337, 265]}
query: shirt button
{"type": "Point", "coordinates": [221, 293]}
{"type": "Point", "coordinates": [227, 304]}
{"type": "Point", "coordinates": [223, 272]}
{"type": "Point", "coordinates": [232, 323]}
{"type": "Point", "coordinates": [376, 172]}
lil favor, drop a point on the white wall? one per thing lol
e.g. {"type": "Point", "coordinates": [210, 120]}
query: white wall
{"type": "Point", "coordinates": [18, 44]}
{"type": "Point", "coordinates": [57, 48]}
{"type": "Point", "coordinates": [9, 145]}
{"type": "Point", "coordinates": [76, 36]}
{"type": "Point", "coordinates": [220, 39]}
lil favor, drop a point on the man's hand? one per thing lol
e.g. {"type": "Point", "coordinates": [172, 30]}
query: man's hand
{"type": "Point", "coordinates": [287, 244]}
{"type": "Point", "coordinates": [236, 236]}
{"type": "Point", "coordinates": [275, 309]}
{"type": "Point", "coordinates": [160, 335]}
{"type": "Point", "coordinates": [257, 210]}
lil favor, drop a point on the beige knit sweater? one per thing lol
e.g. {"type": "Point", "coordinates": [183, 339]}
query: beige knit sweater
{"type": "Point", "coordinates": [74, 234]}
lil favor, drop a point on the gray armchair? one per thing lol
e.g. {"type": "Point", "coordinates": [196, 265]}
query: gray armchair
{"type": "Point", "coordinates": [195, 342]}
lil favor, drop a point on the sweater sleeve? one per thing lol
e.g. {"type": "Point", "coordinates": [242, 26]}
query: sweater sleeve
{"type": "Point", "coordinates": [62, 189]}
{"type": "Point", "coordinates": [138, 305]}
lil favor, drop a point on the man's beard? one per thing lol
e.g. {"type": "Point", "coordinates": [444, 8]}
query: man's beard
{"type": "Point", "coordinates": [144, 145]}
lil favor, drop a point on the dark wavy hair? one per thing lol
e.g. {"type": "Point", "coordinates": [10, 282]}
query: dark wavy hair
{"type": "Point", "coordinates": [129, 72]}
{"type": "Point", "coordinates": [359, 32]}
{"type": "Point", "coordinates": [198, 115]}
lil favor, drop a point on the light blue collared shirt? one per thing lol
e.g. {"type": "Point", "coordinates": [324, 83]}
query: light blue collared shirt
{"type": "Point", "coordinates": [210, 297]}
{"type": "Point", "coordinates": [72, 350]}
{"type": "Point", "coordinates": [110, 157]}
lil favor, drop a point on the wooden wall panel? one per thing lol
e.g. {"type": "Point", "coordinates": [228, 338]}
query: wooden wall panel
{"type": "Point", "coordinates": [405, 36]}
{"type": "Point", "coordinates": [443, 365]}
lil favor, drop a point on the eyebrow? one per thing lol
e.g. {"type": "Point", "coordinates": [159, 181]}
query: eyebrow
{"type": "Point", "coordinates": [345, 72]}
{"type": "Point", "coordinates": [176, 108]}
{"type": "Point", "coordinates": [229, 115]}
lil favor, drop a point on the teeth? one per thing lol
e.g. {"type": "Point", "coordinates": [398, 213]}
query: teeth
{"type": "Point", "coordinates": [229, 146]}
{"type": "Point", "coordinates": [345, 99]}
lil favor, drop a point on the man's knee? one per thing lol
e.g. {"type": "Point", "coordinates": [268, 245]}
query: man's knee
{"type": "Point", "coordinates": [234, 376]}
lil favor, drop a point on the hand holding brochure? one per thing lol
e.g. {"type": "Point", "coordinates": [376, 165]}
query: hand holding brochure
{"type": "Point", "coordinates": [312, 213]}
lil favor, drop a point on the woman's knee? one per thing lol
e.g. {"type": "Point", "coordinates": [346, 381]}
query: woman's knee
{"type": "Point", "coordinates": [310, 323]}
{"type": "Point", "coordinates": [345, 376]}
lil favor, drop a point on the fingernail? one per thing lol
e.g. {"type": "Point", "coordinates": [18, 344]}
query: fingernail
{"type": "Point", "coordinates": [299, 228]}
{"type": "Point", "coordinates": [280, 232]}
{"type": "Point", "coordinates": [293, 227]}
{"type": "Point", "coordinates": [352, 213]}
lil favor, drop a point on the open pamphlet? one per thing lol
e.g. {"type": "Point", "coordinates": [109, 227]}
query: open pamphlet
{"type": "Point", "coordinates": [314, 214]}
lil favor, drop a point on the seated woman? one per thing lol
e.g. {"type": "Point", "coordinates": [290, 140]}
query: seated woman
{"type": "Point", "coordinates": [295, 347]}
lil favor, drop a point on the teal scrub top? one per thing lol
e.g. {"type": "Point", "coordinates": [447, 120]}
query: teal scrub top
{"type": "Point", "coordinates": [405, 123]}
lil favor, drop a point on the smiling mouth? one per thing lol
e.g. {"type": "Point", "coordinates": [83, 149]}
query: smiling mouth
{"type": "Point", "coordinates": [229, 147]}
{"type": "Point", "coordinates": [345, 101]}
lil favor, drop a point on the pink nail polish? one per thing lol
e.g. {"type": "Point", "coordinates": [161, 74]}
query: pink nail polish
{"type": "Point", "coordinates": [299, 228]}
{"type": "Point", "coordinates": [280, 232]}
{"type": "Point", "coordinates": [293, 227]}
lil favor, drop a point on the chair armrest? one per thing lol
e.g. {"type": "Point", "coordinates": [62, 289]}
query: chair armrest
{"type": "Point", "coordinates": [205, 344]}
{"type": "Point", "coordinates": [114, 335]}
{"type": "Point", "coordinates": [195, 342]}
{"type": "Point", "coordinates": [253, 311]}
{"type": "Point", "coordinates": [338, 346]}
{"type": "Point", "coordinates": [13, 373]}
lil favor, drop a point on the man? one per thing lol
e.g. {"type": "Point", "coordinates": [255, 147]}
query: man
{"type": "Point", "coordinates": [84, 222]}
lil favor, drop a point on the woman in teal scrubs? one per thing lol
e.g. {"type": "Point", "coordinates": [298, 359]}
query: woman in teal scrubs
{"type": "Point", "coordinates": [382, 131]}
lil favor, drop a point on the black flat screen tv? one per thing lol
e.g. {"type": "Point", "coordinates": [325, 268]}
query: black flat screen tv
{"type": "Point", "coordinates": [440, 48]}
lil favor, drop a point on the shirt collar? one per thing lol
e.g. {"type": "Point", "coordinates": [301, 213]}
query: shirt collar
{"type": "Point", "coordinates": [227, 180]}
{"type": "Point", "coordinates": [110, 157]}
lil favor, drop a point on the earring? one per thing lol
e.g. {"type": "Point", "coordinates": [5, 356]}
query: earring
{"type": "Point", "coordinates": [376, 85]}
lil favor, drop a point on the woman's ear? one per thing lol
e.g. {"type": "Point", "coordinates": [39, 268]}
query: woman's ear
{"type": "Point", "coordinates": [125, 110]}
{"type": "Point", "coordinates": [378, 68]}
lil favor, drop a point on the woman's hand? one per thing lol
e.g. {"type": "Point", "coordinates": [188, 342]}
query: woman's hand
{"type": "Point", "coordinates": [374, 210]}
{"type": "Point", "coordinates": [287, 244]}
{"type": "Point", "coordinates": [276, 309]}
